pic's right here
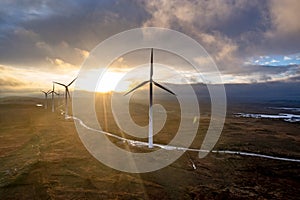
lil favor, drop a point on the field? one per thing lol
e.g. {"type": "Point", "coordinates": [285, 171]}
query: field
{"type": "Point", "coordinates": [42, 157]}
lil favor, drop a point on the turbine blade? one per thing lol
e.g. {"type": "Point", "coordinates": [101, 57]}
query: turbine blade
{"type": "Point", "coordinates": [52, 86]}
{"type": "Point", "coordinates": [164, 88]}
{"type": "Point", "coordinates": [151, 64]}
{"type": "Point", "coordinates": [72, 81]}
{"type": "Point", "coordinates": [59, 83]}
{"type": "Point", "coordinates": [49, 91]}
{"type": "Point", "coordinates": [68, 93]}
{"type": "Point", "coordinates": [138, 86]}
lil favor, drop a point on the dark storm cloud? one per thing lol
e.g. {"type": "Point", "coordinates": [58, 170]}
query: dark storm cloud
{"type": "Point", "coordinates": [32, 31]}
{"type": "Point", "coordinates": [85, 23]}
{"type": "Point", "coordinates": [233, 30]}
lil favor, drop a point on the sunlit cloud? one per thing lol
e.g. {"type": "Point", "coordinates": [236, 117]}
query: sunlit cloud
{"type": "Point", "coordinates": [83, 53]}
{"type": "Point", "coordinates": [62, 66]}
{"type": "Point", "coordinates": [29, 80]}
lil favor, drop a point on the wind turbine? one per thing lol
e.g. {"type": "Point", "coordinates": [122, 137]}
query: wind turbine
{"type": "Point", "coordinates": [52, 93]}
{"type": "Point", "coordinates": [67, 93]}
{"type": "Point", "coordinates": [46, 98]}
{"type": "Point", "coordinates": [151, 82]}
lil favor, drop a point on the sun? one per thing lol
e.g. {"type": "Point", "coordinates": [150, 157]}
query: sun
{"type": "Point", "coordinates": [109, 81]}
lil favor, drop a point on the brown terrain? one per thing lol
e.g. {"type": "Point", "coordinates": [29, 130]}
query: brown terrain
{"type": "Point", "coordinates": [42, 157]}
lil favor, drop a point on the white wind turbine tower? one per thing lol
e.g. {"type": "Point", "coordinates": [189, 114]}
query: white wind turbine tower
{"type": "Point", "coordinates": [46, 98]}
{"type": "Point", "coordinates": [52, 93]}
{"type": "Point", "coordinates": [151, 82]}
{"type": "Point", "coordinates": [67, 93]}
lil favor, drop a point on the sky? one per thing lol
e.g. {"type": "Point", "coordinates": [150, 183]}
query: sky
{"type": "Point", "coordinates": [42, 41]}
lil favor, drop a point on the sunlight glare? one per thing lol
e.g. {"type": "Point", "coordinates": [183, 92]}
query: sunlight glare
{"type": "Point", "coordinates": [109, 81]}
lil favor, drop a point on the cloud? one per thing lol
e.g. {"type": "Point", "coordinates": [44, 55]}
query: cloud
{"type": "Point", "coordinates": [233, 31]}
{"type": "Point", "coordinates": [250, 27]}
{"type": "Point", "coordinates": [274, 61]}
{"type": "Point", "coordinates": [33, 30]}
{"type": "Point", "coordinates": [295, 78]}
{"type": "Point", "coordinates": [265, 73]}
{"type": "Point", "coordinates": [10, 82]}
{"type": "Point", "coordinates": [285, 28]}
{"type": "Point", "coordinates": [206, 21]}
{"type": "Point", "coordinates": [205, 15]}
{"type": "Point", "coordinates": [61, 66]}
{"type": "Point", "coordinates": [18, 79]}
{"type": "Point", "coordinates": [229, 30]}
{"type": "Point", "coordinates": [203, 60]}
{"type": "Point", "coordinates": [52, 38]}
{"type": "Point", "coordinates": [284, 17]}
{"type": "Point", "coordinates": [287, 58]}
{"type": "Point", "coordinates": [83, 53]}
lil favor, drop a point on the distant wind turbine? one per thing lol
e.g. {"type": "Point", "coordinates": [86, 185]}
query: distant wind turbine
{"type": "Point", "coordinates": [151, 82]}
{"type": "Point", "coordinates": [67, 93]}
{"type": "Point", "coordinates": [46, 98]}
{"type": "Point", "coordinates": [52, 93]}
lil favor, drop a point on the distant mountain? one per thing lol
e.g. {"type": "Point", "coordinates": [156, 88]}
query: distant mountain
{"type": "Point", "coordinates": [271, 92]}
{"type": "Point", "coordinates": [20, 100]}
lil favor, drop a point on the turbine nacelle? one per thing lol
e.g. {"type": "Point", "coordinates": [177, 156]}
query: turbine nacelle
{"type": "Point", "coordinates": [155, 83]}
